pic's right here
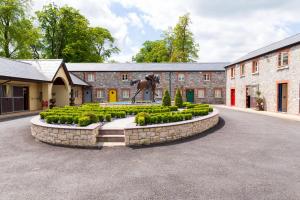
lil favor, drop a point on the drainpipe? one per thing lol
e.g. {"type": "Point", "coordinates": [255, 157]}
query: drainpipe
{"type": "Point", "coordinates": [170, 83]}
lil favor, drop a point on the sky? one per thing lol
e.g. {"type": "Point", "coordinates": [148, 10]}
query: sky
{"type": "Point", "coordinates": [224, 29]}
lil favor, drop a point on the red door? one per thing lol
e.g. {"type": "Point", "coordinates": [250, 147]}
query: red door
{"type": "Point", "coordinates": [232, 97]}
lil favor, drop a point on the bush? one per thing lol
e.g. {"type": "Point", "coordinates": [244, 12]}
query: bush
{"type": "Point", "coordinates": [178, 99]}
{"type": "Point", "coordinates": [69, 120]}
{"type": "Point", "coordinates": [43, 115]}
{"type": "Point", "coordinates": [166, 101]}
{"type": "Point", "coordinates": [210, 109]}
{"type": "Point", "coordinates": [93, 118]}
{"type": "Point", "coordinates": [173, 108]}
{"type": "Point", "coordinates": [84, 121]}
{"type": "Point", "coordinates": [62, 119]}
{"type": "Point", "coordinates": [141, 121]}
{"type": "Point", "coordinates": [165, 118]}
{"type": "Point", "coordinates": [100, 117]}
{"type": "Point", "coordinates": [108, 117]}
{"type": "Point", "coordinates": [75, 119]}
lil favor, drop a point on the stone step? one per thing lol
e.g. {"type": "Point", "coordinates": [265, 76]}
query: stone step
{"type": "Point", "coordinates": [111, 138]}
{"type": "Point", "coordinates": [111, 144]}
{"type": "Point", "coordinates": [111, 132]}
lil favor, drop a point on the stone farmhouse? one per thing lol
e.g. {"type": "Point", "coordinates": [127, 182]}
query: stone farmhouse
{"type": "Point", "coordinates": [274, 71]}
{"type": "Point", "coordinates": [198, 82]}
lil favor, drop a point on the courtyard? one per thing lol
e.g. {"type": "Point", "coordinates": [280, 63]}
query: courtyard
{"type": "Point", "coordinates": [246, 156]}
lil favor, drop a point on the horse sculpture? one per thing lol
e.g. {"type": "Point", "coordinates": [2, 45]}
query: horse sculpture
{"type": "Point", "coordinates": [149, 83]}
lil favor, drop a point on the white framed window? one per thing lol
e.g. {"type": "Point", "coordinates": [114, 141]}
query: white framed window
{"type": "Point", "coordinates": [206, 77]}
{"type": "Point", "coordinates": [201, 93]}
{"type": "Point", "coordinates": [90, 77]}
{"type": "Point", "coordinates": [242, 69]}
{"type": "Point", "coordinates": [218, 93]}
{"type": "Point", "coordinates": [255, 67]}
{"type": "Point", "coordinates": [125, 94]}
{"type": "Point", "coordinates": [124, 77]}
{"type": "Point", "coordinates": [100, 93]}
{"type": "Point", "coordinates": [283, 59]}
{"type": "Point", "coordinates": [181, 77]}
{"type": "Point", "coordinates": [159, 93]}
{"type": "Point", "coordinates": [232, 72]}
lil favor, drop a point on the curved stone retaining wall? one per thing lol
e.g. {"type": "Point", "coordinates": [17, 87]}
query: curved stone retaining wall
{"type": "Point", "coordinates": [145, 135]}
{"type": "Point", "coordinates": [64, 135]}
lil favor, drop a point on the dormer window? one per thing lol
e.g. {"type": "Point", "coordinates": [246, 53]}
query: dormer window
{"type": "Point", "coordinates": [90, 77]}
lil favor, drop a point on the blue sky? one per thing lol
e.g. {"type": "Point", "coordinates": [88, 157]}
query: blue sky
{"type": "Point", "coordinates": [224, 29]}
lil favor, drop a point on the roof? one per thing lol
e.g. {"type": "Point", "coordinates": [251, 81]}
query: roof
{"type": "Point", "coordinates": [295, 39]}
{"type": "Point", "coordinates": [20, 70]}
{"type": "Point", "coordinates": [77, 81]}
{"type": "Point", "coordinates": [145, 67]}
{"type": "Point", "coordinates": [48, 67]}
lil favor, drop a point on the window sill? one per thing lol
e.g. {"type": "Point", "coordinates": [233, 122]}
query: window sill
{"type": "Point", "coordinates": [242, 76]}
{"type": "Point", "coordinates": [282, 68]}
{"type": "Point", "coordinates": [200, 97]}
{"type": "Point", "coordinates": [255, 73]}
{"type": "Point", "coordinates": [218, 97]}
{"type": "Point", "coordinates": [232, 78]}
{"type": "Point", "coordinates": [206, 80]}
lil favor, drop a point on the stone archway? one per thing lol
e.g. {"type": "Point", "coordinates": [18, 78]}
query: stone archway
{"type": "Point", "coordinates": [60, 92]}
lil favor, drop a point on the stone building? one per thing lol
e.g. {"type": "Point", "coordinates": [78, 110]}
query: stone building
{"type": "Point", "coordinates": [199, 82]}
{"type": "Point", "coordinates": [274, 71]}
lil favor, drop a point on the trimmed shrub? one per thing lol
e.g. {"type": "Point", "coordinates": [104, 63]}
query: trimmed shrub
{"type": "Point", "coordinates": [108, 117]}
{"type": "Point", "coordinates": [178, 99]}
{"type": "Point", "coordinates": [93, 118]}
{"type": "Point", "coordinates": [100, 117]}
{"type": "Point", "coordinates": [210, 109]}
{"type": "Point", "coordinates": [166, 101]}
{"type": "Point", "coordinates": [173, 108]}
{"type": "Point", "coordinates": [141, 121]}
{"type": "Point", "coordinates": [165, 118]}
{"type": "Point", "coordinates": [62, 119]}
{"type": "Point", "coordinates": [75, 119]}
{"type": "Point", "coordinates": [43, 115]}
{"type": "Point", "coordinates": [84, 121]}
{"type": "Point", "coordinates": [69, 119]}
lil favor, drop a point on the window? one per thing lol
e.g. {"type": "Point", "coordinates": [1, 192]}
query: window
{"type": "Point", "coordinates": [201, 93]}
{"type": "Point", "coordinates": [100, 94]}
{"type": "Point", "coordinates": [242, 69]}
{"type": "Point", "coordinates": [90, 77]}
{"type": "Point", "coordinates": [283, 59]}
{"type": "Point", "coordinates": [124, 77]}
{"type": "Point", "coordinates": [125, 94]}
{"type": "Point", "coordinates": [255, 67]}
{"type": "Point", "coordinates": [232, 72]}
{"type": "Point", "coordinates": [218, 93]}
{"type": "Point", "coordinates": [76, 95]}
{"type": "Point", "coordinates": [207, 77]}
{"type": "Point", "coordinates": [180, 77]}
{"type": "Point", "coordinates": [159, 93]}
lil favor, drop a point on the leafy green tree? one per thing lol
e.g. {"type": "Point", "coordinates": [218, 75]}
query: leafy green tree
{"type": "Point", "coordinates": [166, 100]}
{"type": "Point", "coordinates": [17, 33]}
{"type": "Point", "coordinates": [185, 48]}
{"type": "Point", "coordinates": [177, 45]}
{"type": "Point", "coordinates": [152, 51]}
{"type": "Point", "coordinates": [67, 35]}
{"type": "Point", "coordinates": [178, 99]}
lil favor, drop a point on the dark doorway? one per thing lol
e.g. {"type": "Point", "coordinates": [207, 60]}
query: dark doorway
{"type": "Point", "coordinates": [282, 97]}
{"type": "Point", "coordinates": [87, 95]}
{"type": "Point", "coordinates": [190, 95]}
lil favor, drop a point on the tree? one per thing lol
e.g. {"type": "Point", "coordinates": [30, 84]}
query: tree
{"type": "Point", "coordinates": [177, 45]}
{"type": "Point", "coordinates": [67, 35]}
{"type": "Point", "coordinates": [17, 33]}
{"type": "Point", "coordinates": [152, 51]}
{"type": "Point", "coordinates": [185, 48]}
{"type": "Point", "coordinates": [178, 99]}
{"type": "Point", "coordinates": [166, 101]}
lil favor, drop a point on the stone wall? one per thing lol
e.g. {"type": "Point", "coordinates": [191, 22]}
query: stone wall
{"type": "Point", "coordinates": [145, 135]}
{"type": "Point", "coordinates": [267, 79]}
{"type": "Point", "coordinates": [64, 135]}
{"type": "Point", "coordinates": [168, 80]}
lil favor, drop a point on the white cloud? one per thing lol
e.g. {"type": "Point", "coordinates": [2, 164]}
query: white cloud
{"type": "Point", "coordinates": [225, 29]}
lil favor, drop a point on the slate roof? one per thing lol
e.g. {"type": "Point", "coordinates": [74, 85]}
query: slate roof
{"type": "Point", "coordinates": [77, 81]}
{"type": "Point", "coordinates": [46, 67]}
{"type": "Point", "coordinates": [20, 70]}
{"type": "Point", "coordinates": [147, 67]}
{"type": "Point", "coordinates": [295, 39]}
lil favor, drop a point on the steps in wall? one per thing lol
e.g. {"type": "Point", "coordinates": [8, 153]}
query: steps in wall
{"type": "Point", "coordinates": [111, 137]}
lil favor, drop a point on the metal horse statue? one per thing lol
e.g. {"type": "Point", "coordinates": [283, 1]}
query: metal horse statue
{"type": "Point", "coordinates": [149, 83]}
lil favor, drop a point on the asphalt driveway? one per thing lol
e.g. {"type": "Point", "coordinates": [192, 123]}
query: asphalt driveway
{"type": "Point", "coordinates": [247, 156]}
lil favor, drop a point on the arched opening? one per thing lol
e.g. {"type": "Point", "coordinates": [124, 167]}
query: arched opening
{"type": "Point", "coordinates": [60, 92]}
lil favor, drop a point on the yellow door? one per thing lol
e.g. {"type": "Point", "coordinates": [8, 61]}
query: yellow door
{"type": "Point", "coordinates": [112, 96]}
